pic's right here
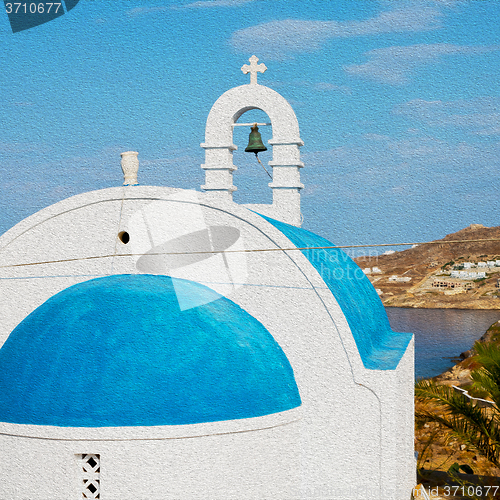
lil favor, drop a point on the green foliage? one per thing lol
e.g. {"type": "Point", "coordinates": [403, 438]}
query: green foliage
{"type": "Point", "coordinates": [455, 469]}
{"type": "Point", "coordinates": [477, 427]}
{"type": "Point", "coordinates": [444, 266]}
{"type": "Point", "coordinates": [487, 378]}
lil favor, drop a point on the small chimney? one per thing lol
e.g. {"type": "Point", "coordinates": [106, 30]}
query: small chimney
{"type": "Point", "coordinates": [130, 167]}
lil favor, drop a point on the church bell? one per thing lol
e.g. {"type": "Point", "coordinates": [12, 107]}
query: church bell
{"type": "Point", "coordinates": [255, 144]}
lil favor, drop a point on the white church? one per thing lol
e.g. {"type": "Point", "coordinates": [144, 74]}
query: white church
{"type": "Point", "coordinates": [161, 343]}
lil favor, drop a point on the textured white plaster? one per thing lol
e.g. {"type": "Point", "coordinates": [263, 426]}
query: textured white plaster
{"type": "Point", "coordinates": [352, 437]}
{"type": "Point", "coordinates": [253, 68]}
{"type": "Point", "coordinates": [130, 167]}
{"type": "Point", "coordinates": [286, 141]}
{"type": "Point", "coordinates": [150, 432]}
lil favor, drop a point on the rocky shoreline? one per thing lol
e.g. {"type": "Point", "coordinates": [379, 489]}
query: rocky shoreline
{"type": "Point", "coordinates": [459, 375]}
{"type": "Point", "coordinates": [438, 451]}
{"type": "Point", "coordinates": [419, 302]}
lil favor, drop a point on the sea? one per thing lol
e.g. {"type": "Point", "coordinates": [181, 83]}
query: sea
{"type": "Point", "coordinates": [440, 334]}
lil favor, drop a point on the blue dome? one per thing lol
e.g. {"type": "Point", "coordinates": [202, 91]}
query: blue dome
{"type": "Point", "coordinates": [379, 347]}
{"type": "Point", "coordinates": [118, 351]}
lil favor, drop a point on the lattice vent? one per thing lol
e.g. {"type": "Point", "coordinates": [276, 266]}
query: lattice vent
{"type": "Point", "coordinates": [91, 474]}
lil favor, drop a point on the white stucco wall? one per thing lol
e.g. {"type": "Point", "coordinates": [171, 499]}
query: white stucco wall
{"type": "Point", "coordinates": [285, 144]}
{"type": "Point", "coordinates": [354, 431]}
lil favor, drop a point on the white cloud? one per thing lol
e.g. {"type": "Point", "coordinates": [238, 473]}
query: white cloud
{"type": "Point", "coordinates": [376, 137]}
{"type": "Point", "coordinates": [393, 65]}
{"type": "Point", "coordinates": [204, 4]}
{"type": "Point", "coordinates": [423, 3]}
{"type": "Point", "coordinates": [278, 39]}
{"type": "Point", "coordinates": [185, 159]}
{"type": "Point", "coordinates": [330, 87]}
{"type": "Point", "coordinates": [423, 156]}
{"type": "Point", "coordinates": [479, 116]}
{"type": "Point", "coordinates": [15, 148]}
{"type": "Point", "coordinates": [318, 86]}
{"type": "Point", "coordinates": [201, 4]}
{"type": "Point", "coordinates": [140, 11]}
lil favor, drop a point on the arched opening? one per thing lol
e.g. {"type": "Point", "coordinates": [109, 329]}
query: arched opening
{"type": "Point", "coordinates": [219, 150]}
{"type": "Point", "coordinates": [251, 178]}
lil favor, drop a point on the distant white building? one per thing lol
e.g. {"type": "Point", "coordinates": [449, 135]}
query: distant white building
{"type": "Point", "coordinates": [367, 270]}
{"type": "Point", "coordinates": [389, 252]}
{"type": "Point", "coordinates": [400, 279]}
{"type": "Point", "coordinates": [376, 270]}
{"type": "Point", "coordinates": [467, 275]}
{"type": "Point", "coordinates": [481, 264]}
{"type": "Point", "coordinates": [467, 265]}
{"type": "Point", "coordinates": [490, 263]}
{"type": "Point", "coordinates": [497, 263]}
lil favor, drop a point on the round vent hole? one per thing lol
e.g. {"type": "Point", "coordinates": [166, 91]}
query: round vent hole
{"type": "Point", "coordinates": [124, 237]}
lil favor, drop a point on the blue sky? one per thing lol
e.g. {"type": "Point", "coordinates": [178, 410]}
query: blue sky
{"type": "Point", "coordinates": [398, 105]}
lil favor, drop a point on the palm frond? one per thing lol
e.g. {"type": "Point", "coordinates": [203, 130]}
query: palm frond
{"type": "Point", "coordinates": [475, 426]}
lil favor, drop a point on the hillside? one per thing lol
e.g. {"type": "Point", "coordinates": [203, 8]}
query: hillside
{"type": "Point", "coordinates": [426, 275]}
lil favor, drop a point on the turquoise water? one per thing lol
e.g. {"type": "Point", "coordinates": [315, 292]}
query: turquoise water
{"type": "Point", "coordinates": [440, 334]}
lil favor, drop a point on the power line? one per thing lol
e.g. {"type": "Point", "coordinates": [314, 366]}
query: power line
{"type": "Point", "coordinates": [76, 259]}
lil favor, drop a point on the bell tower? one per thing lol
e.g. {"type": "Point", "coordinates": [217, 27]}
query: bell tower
{"type": "Point", "coordinates": [285, 144]}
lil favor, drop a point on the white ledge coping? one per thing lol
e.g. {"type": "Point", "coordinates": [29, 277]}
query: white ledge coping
{"type": "Point", "coordinates": [233, 147]}
{"type": "Point", "coordinates": [286, 186]}
{"type": "Point", "coordinates": [250, 124]}
{"type": "Point", "coordinates": [283, 142]}
{"type": "Point", "coordinates": [157, 432]}
{"type": "Point", "coordinates": [275, 163]}
{"type": "Point", "coordinates": [211, 187]}
{"type": "Point", "coordinates": [219, 166]}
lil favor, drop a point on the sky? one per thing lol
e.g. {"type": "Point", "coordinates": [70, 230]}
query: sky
{"type": "Point", "coordinates": [398, 104]}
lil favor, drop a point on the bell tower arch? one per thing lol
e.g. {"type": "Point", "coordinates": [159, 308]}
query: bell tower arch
{"type": "Point", "coordinates": [285, 144]}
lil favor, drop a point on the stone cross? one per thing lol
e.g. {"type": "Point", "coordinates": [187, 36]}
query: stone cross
{"type": "Point", "coordinates": [253, 68]}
